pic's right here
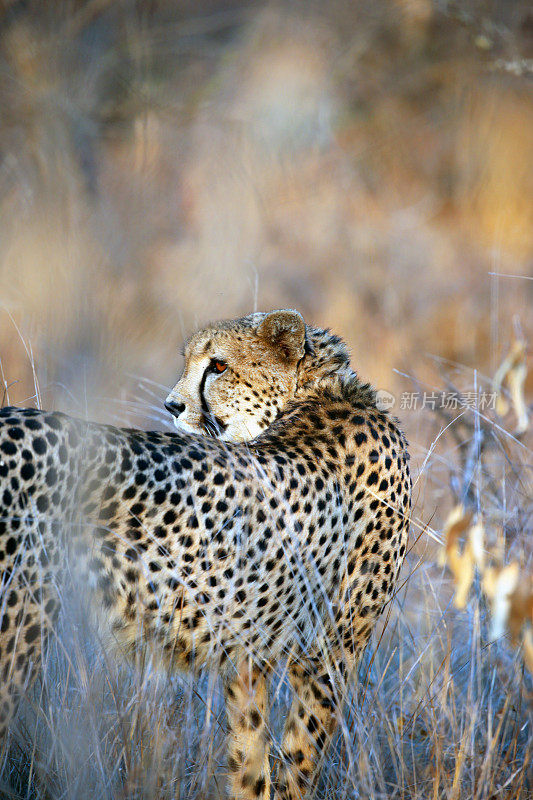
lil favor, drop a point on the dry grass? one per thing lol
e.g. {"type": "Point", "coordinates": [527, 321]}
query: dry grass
{"type": "Point", "coordinates": [163, 164]}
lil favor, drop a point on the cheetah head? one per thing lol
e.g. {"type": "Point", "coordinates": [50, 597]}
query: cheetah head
{"type": "Point", "coordinates": [239, 375]}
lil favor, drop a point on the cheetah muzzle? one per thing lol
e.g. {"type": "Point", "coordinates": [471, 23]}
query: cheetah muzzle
{"type": "Point", "coordinates": [279, 535]}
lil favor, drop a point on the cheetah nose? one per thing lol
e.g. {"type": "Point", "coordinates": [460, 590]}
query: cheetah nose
{"type": "Point", "coordinates": [175, 408]}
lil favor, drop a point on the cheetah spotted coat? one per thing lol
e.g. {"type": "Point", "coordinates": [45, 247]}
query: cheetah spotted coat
{"type": "Point", "coordinates": [213, 552]}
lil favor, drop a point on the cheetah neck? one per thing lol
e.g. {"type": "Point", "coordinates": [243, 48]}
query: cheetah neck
{"type": "Point", "coordinates": [325, 370]}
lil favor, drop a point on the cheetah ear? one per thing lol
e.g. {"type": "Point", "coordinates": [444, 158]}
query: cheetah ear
{"type": "Point", "coordinates": [285, 331]}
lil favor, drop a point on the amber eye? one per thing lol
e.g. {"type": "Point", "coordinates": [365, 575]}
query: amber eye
{"type": "Point", "coordinates": [218, 366]}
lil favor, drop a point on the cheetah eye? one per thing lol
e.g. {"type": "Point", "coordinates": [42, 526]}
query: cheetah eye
{"type": "Point", "coordinates": [218, 366]}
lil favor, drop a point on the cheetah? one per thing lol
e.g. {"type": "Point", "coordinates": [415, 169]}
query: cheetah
{"type": "Point", "coordinates": [269, 528]}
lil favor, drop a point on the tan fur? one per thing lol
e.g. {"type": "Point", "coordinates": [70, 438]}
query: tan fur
{"type": "Point", "coordinates": [279, 535]}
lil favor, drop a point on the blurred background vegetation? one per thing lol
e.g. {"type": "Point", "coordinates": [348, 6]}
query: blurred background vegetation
{"type": "Point", "coordinates": [165, 163]}
{"type": "Point", "coordinates": [368, 162]}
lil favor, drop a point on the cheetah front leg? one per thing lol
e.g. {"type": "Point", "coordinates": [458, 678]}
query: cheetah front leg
{"type": "Point", "coordinates": [248, 743]}
{"type": "Point", "coordinates": [308, 729]}
{"type": "Point", "coordinates": [319, 684]}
